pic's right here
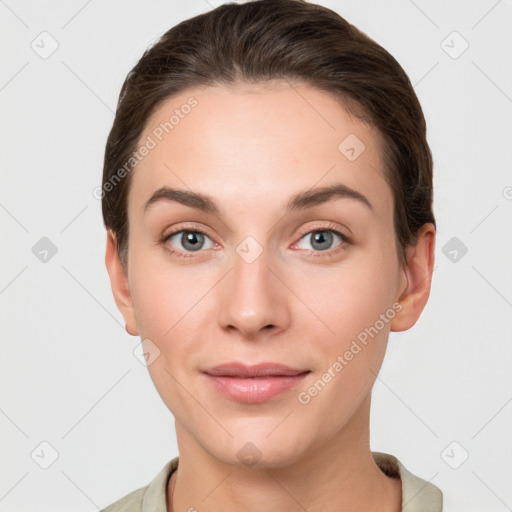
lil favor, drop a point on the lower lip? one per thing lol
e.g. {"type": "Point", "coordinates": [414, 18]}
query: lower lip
{"type": "Point", "coordinates": [256, 389]}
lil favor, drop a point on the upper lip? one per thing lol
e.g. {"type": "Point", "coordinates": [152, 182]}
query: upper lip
{"type": "Point", "coordinates": [236, 369]}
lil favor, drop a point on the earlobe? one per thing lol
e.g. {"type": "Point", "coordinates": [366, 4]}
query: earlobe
{"type": "Point", "coordinates": [418, 278]}
{"type": "Point", "coordinates": [119, 284]}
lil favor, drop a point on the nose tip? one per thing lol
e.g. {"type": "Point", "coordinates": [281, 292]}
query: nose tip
{"type": "Point", "coordinates": [252, 300]}
{"type": "Point", "coordinates": [249, 323]}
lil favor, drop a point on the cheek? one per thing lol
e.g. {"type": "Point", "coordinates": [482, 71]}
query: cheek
{"type": "Point", "coordinates": [337, 302]}
{"type": "Point", "coordinates": [350, 297]}
{"type": "Point", "coordinates": [163, 293]}
{"type": "Point", "coordinates": [357, 305]}
{"type": "Point", "coordinates": [167, 305]}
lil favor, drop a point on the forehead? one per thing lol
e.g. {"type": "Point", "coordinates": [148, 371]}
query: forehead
{"type": "Point", "coordinates": [251, 143]}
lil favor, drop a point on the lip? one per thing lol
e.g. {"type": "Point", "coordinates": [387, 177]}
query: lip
{"type": "Point", "coordinates": [254, 383]}
{"type": "Point", "coordinates": [236, 369]}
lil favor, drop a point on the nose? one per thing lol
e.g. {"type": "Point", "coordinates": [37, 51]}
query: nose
{"type": "Point", "coordinates": [253, 298]}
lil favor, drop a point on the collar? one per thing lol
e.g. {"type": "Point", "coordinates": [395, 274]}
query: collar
{"type": "Point", "coordinates": [418, 495]}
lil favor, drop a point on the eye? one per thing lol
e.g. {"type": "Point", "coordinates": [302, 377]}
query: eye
{"type": "Point", "coordinates": [322, 240]}
{"type": "Point", "coordinates": [190, 240]}
{"type": "Point", "coordinates": [185, 242]}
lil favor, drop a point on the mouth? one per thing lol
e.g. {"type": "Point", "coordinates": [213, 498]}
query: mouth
{"type": "Point", "coordinates": [256, 383]}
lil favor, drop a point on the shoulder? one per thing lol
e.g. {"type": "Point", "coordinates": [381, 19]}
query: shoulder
{"type": "Point", "coordinates": [152, 497]}
{"type": "Point", "coordinates": [130, 503]}
{"type": "Point", "coordinates": [418, 495]}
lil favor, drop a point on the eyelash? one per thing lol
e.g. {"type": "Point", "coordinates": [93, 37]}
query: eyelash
{"type": "Point", "coordinates": [329, 252]}
{"type": "Point", "coordinates": [176, 252]}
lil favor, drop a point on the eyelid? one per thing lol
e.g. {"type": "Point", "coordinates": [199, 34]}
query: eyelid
{"type": "Point", "coordinates": [316, 227]}
{"type": "Point", "coordinates": [164, 240]}
{"type": "Point", "coordinates": [326, 226]}
{"type": "Point", "coordinates": [185, 227]}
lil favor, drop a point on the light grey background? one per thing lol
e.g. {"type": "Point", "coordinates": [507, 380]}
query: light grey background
{"type": "Point", "coordinates": [68, 373]}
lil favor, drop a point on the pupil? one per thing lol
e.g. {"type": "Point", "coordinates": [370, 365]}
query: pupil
{"type": "Point", "coordinates": [193, 239]}
{"type": "Point", "coordinates": [321, 238]}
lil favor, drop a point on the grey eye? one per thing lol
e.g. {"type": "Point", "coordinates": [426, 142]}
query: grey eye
{"type": "Point", "coordinates": [190, 240]}
{"type": "Point", "coordinates": [321, 240]}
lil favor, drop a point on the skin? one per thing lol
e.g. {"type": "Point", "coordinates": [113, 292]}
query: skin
{"type": "Point", "coordinates": [252, 147]}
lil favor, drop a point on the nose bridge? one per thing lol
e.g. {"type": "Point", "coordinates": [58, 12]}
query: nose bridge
{"type": "Point", "coordinates": [252, 297]}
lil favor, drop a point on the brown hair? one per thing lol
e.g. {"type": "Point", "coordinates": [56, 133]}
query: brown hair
{"type": "Point", "coordinates": [264, 40]}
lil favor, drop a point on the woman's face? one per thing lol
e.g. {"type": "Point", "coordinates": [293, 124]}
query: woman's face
{"type": "Point", "coordinates": [277, 273]}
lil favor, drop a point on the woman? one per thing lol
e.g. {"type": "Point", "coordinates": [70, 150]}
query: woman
{"type": "Point", "coordinates": [267, 195]}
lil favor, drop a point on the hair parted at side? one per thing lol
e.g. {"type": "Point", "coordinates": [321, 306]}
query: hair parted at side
{"type": "Point", "coordinates": [263, 40]}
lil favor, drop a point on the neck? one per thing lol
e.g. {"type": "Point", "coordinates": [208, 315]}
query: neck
{"type": "Point", "coordinates": [338, 473]}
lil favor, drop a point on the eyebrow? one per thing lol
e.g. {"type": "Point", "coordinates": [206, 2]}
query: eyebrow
{"type": "Point", "coordinates": [305, 199]}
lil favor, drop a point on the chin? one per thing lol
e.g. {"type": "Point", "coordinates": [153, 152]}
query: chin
{"type": "Point", "coordinates": [258, 450]}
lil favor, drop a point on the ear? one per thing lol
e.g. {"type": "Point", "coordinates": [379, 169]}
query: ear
{"type": "Point", "coordinates": [418, 277]}
{"type": "Point", "coordinates": [119, 284]}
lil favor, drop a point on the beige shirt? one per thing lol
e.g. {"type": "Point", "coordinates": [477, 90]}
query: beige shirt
{"type": "Point", "coordinates": [418, 495]}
